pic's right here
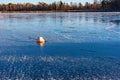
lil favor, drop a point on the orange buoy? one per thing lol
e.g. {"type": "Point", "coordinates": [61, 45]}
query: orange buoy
{"type": "Point", "coordinates": [40, 40]}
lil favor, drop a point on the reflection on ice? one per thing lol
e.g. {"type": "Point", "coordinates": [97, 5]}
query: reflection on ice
{"type": "Point", "coordinates": [59, 27]}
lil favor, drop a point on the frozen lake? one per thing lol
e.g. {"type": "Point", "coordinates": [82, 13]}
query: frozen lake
{"type": "Point", "coordinates": [79, 46]}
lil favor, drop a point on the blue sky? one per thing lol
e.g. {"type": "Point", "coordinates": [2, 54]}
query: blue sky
{"type": "Point", "coordinates": [47, 1]}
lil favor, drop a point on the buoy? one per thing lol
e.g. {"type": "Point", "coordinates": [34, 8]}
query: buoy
{"type": "Point", "coordinates": [40, 40]}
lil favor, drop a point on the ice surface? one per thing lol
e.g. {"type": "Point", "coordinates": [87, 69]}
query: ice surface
{"type": "Point", "coordinates": [59, 68]}
{"type": "Point", "coordinates": [79, 46]}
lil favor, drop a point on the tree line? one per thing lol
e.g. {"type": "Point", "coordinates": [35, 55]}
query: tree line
{"type": "Point", "coordinates": [104, 5]}
{"type": "Point", "coordinates": [110, 5]}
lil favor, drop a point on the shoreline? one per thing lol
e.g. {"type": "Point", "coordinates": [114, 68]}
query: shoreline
{"type": "Point", "coordinates": [53, 11]}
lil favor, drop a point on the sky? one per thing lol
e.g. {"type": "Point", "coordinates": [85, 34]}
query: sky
{"type": "Point", "coordinates": [46, 1]}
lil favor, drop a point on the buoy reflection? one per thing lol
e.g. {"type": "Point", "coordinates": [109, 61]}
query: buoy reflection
{"type": "Point", "coordinates": [41, 44]}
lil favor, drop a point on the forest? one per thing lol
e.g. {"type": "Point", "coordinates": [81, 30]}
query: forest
{"type": "Point", "coordinates": [103, 5]}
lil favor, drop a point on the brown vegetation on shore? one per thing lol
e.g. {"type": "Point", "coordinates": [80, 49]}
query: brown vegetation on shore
{"type": "Point", "coordinates": [104, 5]}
